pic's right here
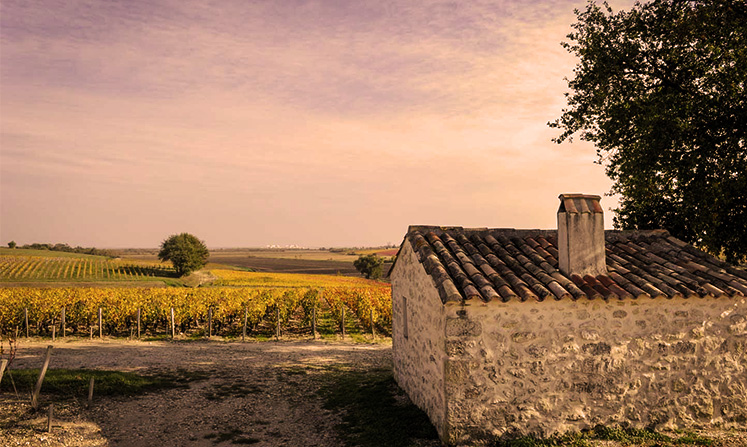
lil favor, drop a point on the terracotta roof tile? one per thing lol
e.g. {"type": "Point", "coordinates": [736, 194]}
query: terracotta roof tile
{"type": "Point", "coordinates": [508, 264]}
{"type": "Point", "coordinates": [580, 203]}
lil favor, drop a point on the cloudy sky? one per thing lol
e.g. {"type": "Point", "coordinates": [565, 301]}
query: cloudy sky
{"type": "Point", "coordinates": [317, 123]}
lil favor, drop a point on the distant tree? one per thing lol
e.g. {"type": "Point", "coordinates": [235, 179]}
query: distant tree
{"type": "Point", "coordinates": [185, 251]}
{"type": "Point", "coordinates": [661, 91]}
{"type": "Point", "coordinates": [369, 266]}
{"type": "Point", "coordinates": [12, 244]}
{"type": "Point", "coordinates": [65, 248]}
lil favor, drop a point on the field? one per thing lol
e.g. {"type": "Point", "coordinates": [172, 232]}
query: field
{"type": "Point", "coordinates": [4, 251]}
{"type": "Point", "coordinates": [92, 268]}
{"type": "Point", "coordinates": [184, 312]}
{"type": "Point", "coordinates": [41, 267]}
{"type": "Point", "coordinates": [287, 265]}
{"type": "Point", "coordinates": [329, 262]}
{"type": "Point", "coordinates": [230, 303]}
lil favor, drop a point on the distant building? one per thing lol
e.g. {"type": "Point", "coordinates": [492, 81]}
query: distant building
{"type": "Point", "coordinates": [504, 331]}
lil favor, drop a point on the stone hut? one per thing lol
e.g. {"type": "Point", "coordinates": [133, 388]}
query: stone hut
{"type": "Point", "coordinates": [504, 331]}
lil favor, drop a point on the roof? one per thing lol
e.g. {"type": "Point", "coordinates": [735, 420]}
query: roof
{"type": "Point", "coordinates": [579, 204]}
{"type": "Point", "coordinates": [509, 264]}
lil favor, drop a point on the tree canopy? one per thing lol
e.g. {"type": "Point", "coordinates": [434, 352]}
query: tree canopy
{"type": "Point", "coordinates": [186, 252]}
{"type": "Point", "coordinates": [370, 266]}
{"type": "Point", "coordinates": [660, 91]}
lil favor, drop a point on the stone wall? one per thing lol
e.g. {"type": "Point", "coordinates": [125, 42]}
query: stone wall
{"type": "Point", "coordinates": [564, 365]}
{"type": "Point", "coordinates": [418, 358]}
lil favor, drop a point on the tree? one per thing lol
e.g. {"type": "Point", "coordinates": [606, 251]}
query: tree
{"type": "Point", "coordinates": [185, 251]}
{"type": "Point", "coordinates": [660, 91]}
{"type": "Point", "coordinates": [369, 266]}
{"type": "Point", "coordinates": [12, 244]}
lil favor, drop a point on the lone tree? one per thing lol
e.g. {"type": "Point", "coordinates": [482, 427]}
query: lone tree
{"type": "Point", "coordinates": [12, 244]}
{"type": "Point", "coordinates": [369, 266]}
{"type": "Point", "coordinates": [185, 251]}
{"type": "Point", "coordinates": [660, 91]}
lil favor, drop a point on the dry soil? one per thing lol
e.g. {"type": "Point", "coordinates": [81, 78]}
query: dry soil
{"type": "Point", "coordinates": [255, 393]}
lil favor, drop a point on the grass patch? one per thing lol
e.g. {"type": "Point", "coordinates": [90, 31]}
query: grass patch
{"type": "Point", "coordinates": [623, 436]}
{"type": "Point", "coordinates": [375, 410]}
{"type": "Point", "coordinates": [48, 254]}
{"type": "Point", "coordinates": [74, 382]}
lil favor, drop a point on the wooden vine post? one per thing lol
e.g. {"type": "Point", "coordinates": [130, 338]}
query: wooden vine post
{"type": "Point", "coordinates": [62, 322]}
{"type": "Point", "coordinates": [138, 323]}
{"type": "Point", "coordinates": [173, 324]}
{"type": "Point", "coordinates": [42, 373]}
{"type": "Point", "coordinates": [343, 321]}
{"type": "Point", "coordinates": [313, 321]}
{"type": "Point", "coordinates": [243, 331]}
{"type": "Point", "coordinates": [3, 364]}
{"type": "Point", "coordinates": [313, 313]}
{"type": "Point", "coordinates": [26, 320]}
{"type": "Point", "coordinates": [101, 326]}
{"type": "Point", "coordinates": [373, 329]}
{"type": "Point", "coordinates": [277, 325]}
{"type": "Point", "coordinates": [90, 391]}
{"type": "Point", "coordinates": [210, 322]}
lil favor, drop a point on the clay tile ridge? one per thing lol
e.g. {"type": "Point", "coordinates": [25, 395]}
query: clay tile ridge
{"type": "Point", "coordinates": [580, 203]}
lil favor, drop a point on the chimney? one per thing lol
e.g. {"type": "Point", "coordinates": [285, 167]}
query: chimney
{"type": "Point", "coordinates": [581, 235]}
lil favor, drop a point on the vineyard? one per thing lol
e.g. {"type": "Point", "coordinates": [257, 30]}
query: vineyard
{"type": "Point", "coordinates": [219, 310]}
{"type": "Point", "coordinates": [46, 268]}
{"type": "Point", "coordinates": [285, 280]}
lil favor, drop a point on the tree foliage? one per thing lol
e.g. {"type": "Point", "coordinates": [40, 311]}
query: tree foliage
{"type": "Point", "coordinates": [660, 91]}
{"type": "Point", "coordinates": [370, 266]}
{"type": "Point", "coordinates": [186, 252]}
{"type": "Point", "coordinates": [12, 244]}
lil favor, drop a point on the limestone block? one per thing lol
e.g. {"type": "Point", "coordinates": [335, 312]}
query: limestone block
{"type": "Point", "coordinates": [462, 327]}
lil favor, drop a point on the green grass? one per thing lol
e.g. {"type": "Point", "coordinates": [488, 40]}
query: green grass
{"type": "Point", "coordinates": [47, 253]}
{"type": "Point", "coordinates": [623, 436]}
{"type": "Point", "coordinates": [374, 409]}
{"type": "Point", "coordinates": [69, 383]}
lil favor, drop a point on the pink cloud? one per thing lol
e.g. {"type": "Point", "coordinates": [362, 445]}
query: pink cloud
{"type": "Point", "coordinates": [256, 122]}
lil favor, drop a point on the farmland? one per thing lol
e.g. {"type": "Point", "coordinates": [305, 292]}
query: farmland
{"type": "Point", "coordinates": [159, 329]}
{"type": "Point", "coordinates": [317, 261]}
{"type": "Point", "coordinates": [233, 301]}
{"type": "Point", "coordinates": [227, 311]}
{"type": "Point", "coordinates": [93, 268]}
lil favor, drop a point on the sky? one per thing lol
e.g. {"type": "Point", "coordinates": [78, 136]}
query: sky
{"type": "Point", "coordinates": [314, 123]}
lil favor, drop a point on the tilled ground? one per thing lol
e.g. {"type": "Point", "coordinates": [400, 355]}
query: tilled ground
{"type": "Point", "coordinates": [238, 393]}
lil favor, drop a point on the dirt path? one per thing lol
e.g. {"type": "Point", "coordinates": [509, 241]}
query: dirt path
{"type": "Point", "coordinates": [254, 393]}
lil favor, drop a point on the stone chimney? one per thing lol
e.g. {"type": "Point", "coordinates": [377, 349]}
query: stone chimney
{"type": "Point", "coordinates": [581, 235]}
